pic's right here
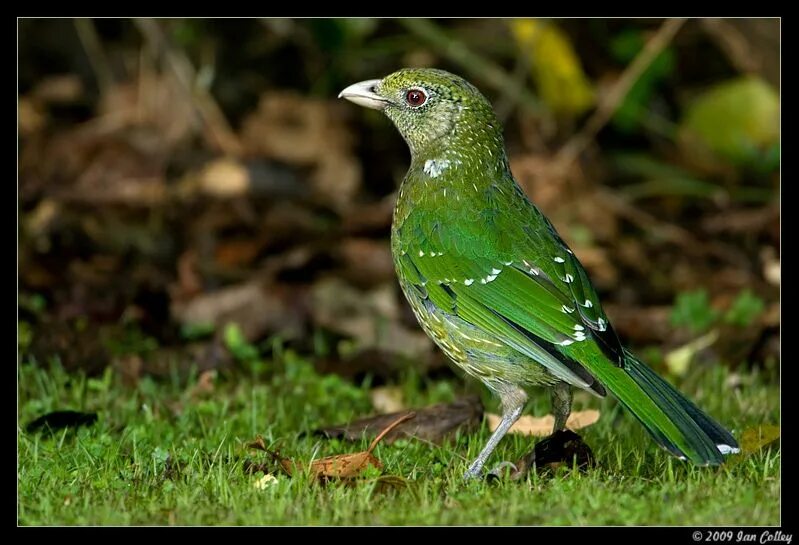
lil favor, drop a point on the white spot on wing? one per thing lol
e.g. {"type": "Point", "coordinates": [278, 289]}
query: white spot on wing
{"type": "Point", "coordinates": [567, 342]}
{"type": "Point", "coordinates": [727, 449]}
{"type": "Point", "coordinates": [468, 282]}
{"type": "Point", "coordinates": [601, 324]}
{"type": "Point", "coordinates": [421, 253]}
{"type": "Point", "coordinates": [578, 327]}
{"type": "Point", "coordinates": [558, 259]}
{"type": "Point", "coordinates": [495, 271]}
{"type": "Point", "coordinates": [569, 279]}
{"type": "Point", "coordinates": [588, 303]}
{"type": "Point", "coordinates": [566, 309]}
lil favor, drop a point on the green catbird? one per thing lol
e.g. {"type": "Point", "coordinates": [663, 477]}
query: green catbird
{"type": "Point", "coordinates": [494, 285]}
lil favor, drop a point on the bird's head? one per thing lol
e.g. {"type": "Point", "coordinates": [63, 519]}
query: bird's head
{"type": "Point", "coordinates": [431, 108]}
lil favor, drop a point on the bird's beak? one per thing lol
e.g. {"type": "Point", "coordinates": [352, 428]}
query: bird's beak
{"type": "Point", "coordinates": [362, 93]}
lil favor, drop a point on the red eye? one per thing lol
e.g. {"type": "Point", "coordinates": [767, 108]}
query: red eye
{"type": "Point", "coordinates": [415, 97]}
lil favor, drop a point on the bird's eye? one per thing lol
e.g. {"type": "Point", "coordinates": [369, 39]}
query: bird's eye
{"type": "Point", "coordinates": [415, 97]}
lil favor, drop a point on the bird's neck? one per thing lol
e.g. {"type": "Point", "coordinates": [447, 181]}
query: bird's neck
{"type": "Point", "coordinates": [473, 153]}
{"type": "Point", "coordinates": [446, 179]}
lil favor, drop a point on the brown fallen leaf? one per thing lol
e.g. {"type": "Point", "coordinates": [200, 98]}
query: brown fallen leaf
{"type": "Point", "coordinates": [644, 325]}
{"type": "Point", "coordinates": [129, 368]}
{"type": "Point", "coordinates": [387, 399]}
{"type": "Point", "coordinates": [205, 384]}
{"type": "Point", "coordinates": [434, 424]}
{"type": "Point", "coordinates": [542, 426]}
{"type": "Point", "coordinates": [256, 306]}
{"type": "Point", "coordinates": [345, 309]}
{"type": "Point", "coordinates": [366, 262]}
{"type": "Point", "coordinates": [339, 466]}
{"type": "Point", "coordinates": [345, 466]}
{"type": "Point", "coordinates": [257, 443]}
{"type": "Point", "coordinates": [301, 131]}
{"type": "Point", "coordinates": [754, 439]}
{"type": "Point", "coordinates": [382, 365]}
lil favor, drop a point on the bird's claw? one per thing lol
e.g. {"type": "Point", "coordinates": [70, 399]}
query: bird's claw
{"type": "Point", "coordinates": [496, 473]}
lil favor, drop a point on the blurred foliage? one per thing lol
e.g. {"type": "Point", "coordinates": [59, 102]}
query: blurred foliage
{"type": "Point", "coordinates": [637, 104]}
{"type": "Point", "coordinates": [692, 310]}
{"type": "Point", "coordinates": [745, 309]}
{"type": "Point", "coordinates": [739, 120]}
{"type": "Point", "coordinates": [560, 80]}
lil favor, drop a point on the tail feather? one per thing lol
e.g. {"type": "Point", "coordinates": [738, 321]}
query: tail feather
{"type": "Point", "coordinates": [673, 421]}
{"type": "Point", "coordinates": [723, 439]}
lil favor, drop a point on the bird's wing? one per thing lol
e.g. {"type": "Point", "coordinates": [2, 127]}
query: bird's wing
{"type": "Point", "coordinates": [507, 272]}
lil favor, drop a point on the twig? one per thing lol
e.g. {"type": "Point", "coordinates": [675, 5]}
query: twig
{"type": "Point", "coordinates": [673, 233]}
{"type": "Point", "coordinates": [394, 424]}
{"type": "Point", "coordinates": [503, 106]}
{"type": "Point", "coordinates": [87, 34]}
{"type": "Point", "coordinates": [611, 101]}
{"type": "Point", "coordinates": [457, 52]}
{"type": "Point", "coordinates": [203, 101]}
{"type": "Point", "coordinates": [733, 43]}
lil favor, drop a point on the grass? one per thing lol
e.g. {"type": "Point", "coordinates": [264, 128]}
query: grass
{"type": "Point", "coordinates": [158, 455]}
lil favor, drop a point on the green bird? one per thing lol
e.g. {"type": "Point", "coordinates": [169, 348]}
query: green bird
{"type": "Point", "coordinates": [494, 285]}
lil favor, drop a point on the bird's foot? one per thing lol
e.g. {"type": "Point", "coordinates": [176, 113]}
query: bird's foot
{"type": "Point", "coordinates": [474, 472]}
{"type": "Point", "coordinates": [496, 473]}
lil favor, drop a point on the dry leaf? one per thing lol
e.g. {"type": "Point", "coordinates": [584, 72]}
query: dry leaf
{"type": "Point", "coordinates": [542, 426]}
{"type": "Point", "coordinates": [679, 360]}
{"type": "Point", "coordinates": [434, 424]}
{"type": "Point", "coordinates": [224, 178]}
{"type": "Point", "coordinates": [59, 89]}
{"type": "Point", "coordinates": [300, 131]}
{"type": "Point", "coordinates": [754, 439]}
{"type": "Point", "coordinates": [32, 116]}
{"type": "Point", "coordinates": [345, 309]}
{"type": "Point", "coordinates": [205, 384]}
{"type": "Point", "coordinates": [265, 482]}
{"type": "Point", "coordinates": [351, 465]}
{"type": "Point", "coordinates": [387, 399]}
{"type": "Point", "coordinates": [258, 443]}
{"type": "Point", "coordinates": [255, 306]}
{"type": "Point", "coordinates": [340, 466]}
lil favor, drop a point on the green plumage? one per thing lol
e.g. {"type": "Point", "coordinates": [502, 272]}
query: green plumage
{"type": "Point", "coordinates": [490, 280]}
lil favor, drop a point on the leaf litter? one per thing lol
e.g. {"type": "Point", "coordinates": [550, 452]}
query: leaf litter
{"type": "Point", "coordinates": [348, 466]}
{"type": "Point", "coordinates": [434, 424]}
{"type": "Point", "coordinates": [542, 426]}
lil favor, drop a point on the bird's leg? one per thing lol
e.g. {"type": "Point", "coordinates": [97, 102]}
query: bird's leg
{"type": "Point", "coordinates": [561, 405]}
{"type": "Point", "coordinates": [513, 400]}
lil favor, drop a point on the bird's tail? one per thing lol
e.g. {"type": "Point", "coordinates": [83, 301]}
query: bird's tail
{"type": "Point", "coordinates": [673, 421]}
